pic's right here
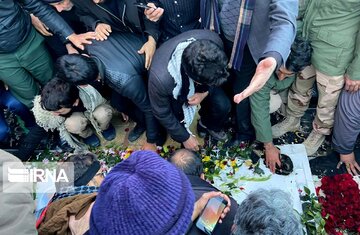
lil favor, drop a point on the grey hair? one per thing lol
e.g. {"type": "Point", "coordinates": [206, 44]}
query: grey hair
{"type": "Point", "coordinates": [187, 161]}
{"type": "Point", "coordinates": [267, 212]}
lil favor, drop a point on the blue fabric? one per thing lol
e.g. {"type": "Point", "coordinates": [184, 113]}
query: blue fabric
{"type": "Point", "coordinates": [72, 191]}
{"type": "Point", "coordinates": [277, 15]}
{"type": "Point", "coordinates": [4, 129]}
{"type": "Point", "coordinates": [9, 102]}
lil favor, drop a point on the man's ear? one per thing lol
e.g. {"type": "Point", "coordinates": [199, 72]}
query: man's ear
{"type": "Point", "coordinates": [202, 176]}
{"type": "Point", "coordinates": [76, 103]}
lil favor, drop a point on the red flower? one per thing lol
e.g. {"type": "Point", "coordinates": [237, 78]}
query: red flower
{"type": "Point", "coordinates": [341, 203]}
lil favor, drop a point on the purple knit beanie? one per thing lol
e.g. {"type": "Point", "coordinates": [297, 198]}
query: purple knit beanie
{"type": "Point", "coordinates": [144, 194]}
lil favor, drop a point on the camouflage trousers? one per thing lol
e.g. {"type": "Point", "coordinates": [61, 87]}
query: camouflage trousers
{"type": "Point", "coordinates": [329, 88]}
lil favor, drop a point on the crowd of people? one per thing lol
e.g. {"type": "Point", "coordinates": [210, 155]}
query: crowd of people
{"type": "Point", "coordinates": [144, 194]}
{"type": "Point", "coordinates": [67, 65]}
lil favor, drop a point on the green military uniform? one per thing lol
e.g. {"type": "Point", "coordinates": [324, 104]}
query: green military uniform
{"type": "Point", "coordinates": [260, 100]}
{"type": "Point", "coordinates": [260, 107]}
{"type": "Point", "coordinates": [332, 27]}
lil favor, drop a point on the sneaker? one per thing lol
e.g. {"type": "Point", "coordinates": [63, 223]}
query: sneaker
{"type": "Point", "coordinates": [288, 124]}
{"type": "Point", "coordinates": [203, 130]}
{"type": "Point", "coordinates": [136, 132]}
{"type": "Point", "coordinates": [92, 141]}
{"type": "Point", "coordinates": [313, 142]}
{"type": "Point", "coordinates": [110, 133]}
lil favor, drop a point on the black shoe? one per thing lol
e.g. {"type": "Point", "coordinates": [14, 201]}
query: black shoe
{"type": "Point", "coordinates": [136, 132]}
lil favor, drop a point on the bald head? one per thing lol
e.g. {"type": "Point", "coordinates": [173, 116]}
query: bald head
{"type": "Point", "coordinates": [188, 161]}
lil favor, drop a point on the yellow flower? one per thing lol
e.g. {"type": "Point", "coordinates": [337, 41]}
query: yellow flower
{"type": "Point", "coordinates": [233, 163]}
{"type": "Point", "coordinates": [126, 155]}
{"type": "Point", "coordinates": [206, 170]}
{"type": "Point", "coordinates": [129, 150]}
{"type": "Point", "coordinates": [248, 162]}
{"type": "Point", "coordinates": [206, 159]}
{"type": "Point", "coordinates": [217, 162]}
{"type": "Point", "coordinates": [223, 164]}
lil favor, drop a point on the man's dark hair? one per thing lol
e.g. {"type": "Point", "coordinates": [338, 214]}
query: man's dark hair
{"type": "Point", "coordinates": [205, 62]}
{"type": "Point", "coordinates": [187, 161]}
{"type": "Point", "coordinates": [77, 69]}
{"type": "Point", "coordinates": [58, 94]}
{"type": "Point", "coordinates": [300, 55]}
{"type": "Point", "coordinates": [85, 168]}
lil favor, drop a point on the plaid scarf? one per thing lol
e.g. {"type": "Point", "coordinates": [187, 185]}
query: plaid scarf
{"type": "Point", "coordinates": [209, 13]}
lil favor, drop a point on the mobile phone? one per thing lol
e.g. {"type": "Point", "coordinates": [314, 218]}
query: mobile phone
{"type": "Point", "coordinates": [141, 5]}
{"type": "Point", "coordinates": [211, 214]}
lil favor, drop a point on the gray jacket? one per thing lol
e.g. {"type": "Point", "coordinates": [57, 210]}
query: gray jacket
{"type": "Point", "coordinates": [273, 28]}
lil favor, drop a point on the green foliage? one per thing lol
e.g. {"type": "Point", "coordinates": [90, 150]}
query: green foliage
{"type": "Point", "coordinates": [311, 217]}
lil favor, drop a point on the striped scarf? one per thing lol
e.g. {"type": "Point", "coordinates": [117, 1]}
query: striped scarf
{"type": "Point", "coordinates": [209, 13]}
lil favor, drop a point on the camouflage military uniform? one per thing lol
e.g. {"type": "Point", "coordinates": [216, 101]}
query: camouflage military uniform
{"type": "Point", "coordinates": [332, 27]}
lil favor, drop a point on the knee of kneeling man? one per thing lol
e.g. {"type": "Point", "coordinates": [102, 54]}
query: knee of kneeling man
{"type": "Point", "coordinates": [275, 102]}
{"type": "Point", "coordinates": [103, 112]}
{"type": "Point", "coordinates": [75, 125]}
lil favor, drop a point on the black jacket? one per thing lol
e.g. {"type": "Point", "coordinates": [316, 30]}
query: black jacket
{"type": "Point", "coordinates": [128, 18]}
{"type": "Point", "coordinates": [161, 84]}
{"type": "Point", "coordinates": [15, 22]}
{"type": "Point", "coordinates": [200, 187]}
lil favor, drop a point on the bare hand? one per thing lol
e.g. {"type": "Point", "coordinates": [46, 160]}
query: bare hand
{"type": "Point", "coordinates": [149, 49]}
{"type": "Point", "coordinates": [79, 39]}
{"type": "Point", "coordinates": [272, 156]}
{"type": "Point", "coordinates": [197, 98]}
{"type": "Point", "coordinates": [40, 26]}
{"type": "Point", "coordinates": [154, 13]}
{"type": "Point", "coordinates": [351, 85]}
{"type": "Point", "coordinates": [148, 146]}
{"type": "Point", "coordinates": [201, 203]}
{"type": "Point", "coordinates": [124, 117]}
{"type": "Point", "coordinates": [70, 49]}
{"type": "Point", "coordinates": [352, 166]}
{"type": "Point", "coordinates": [263, 72]}
{"type": "Point", "coordinates": [102, 31]}
{"type": "Point", "coordinates": [191, 143]}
